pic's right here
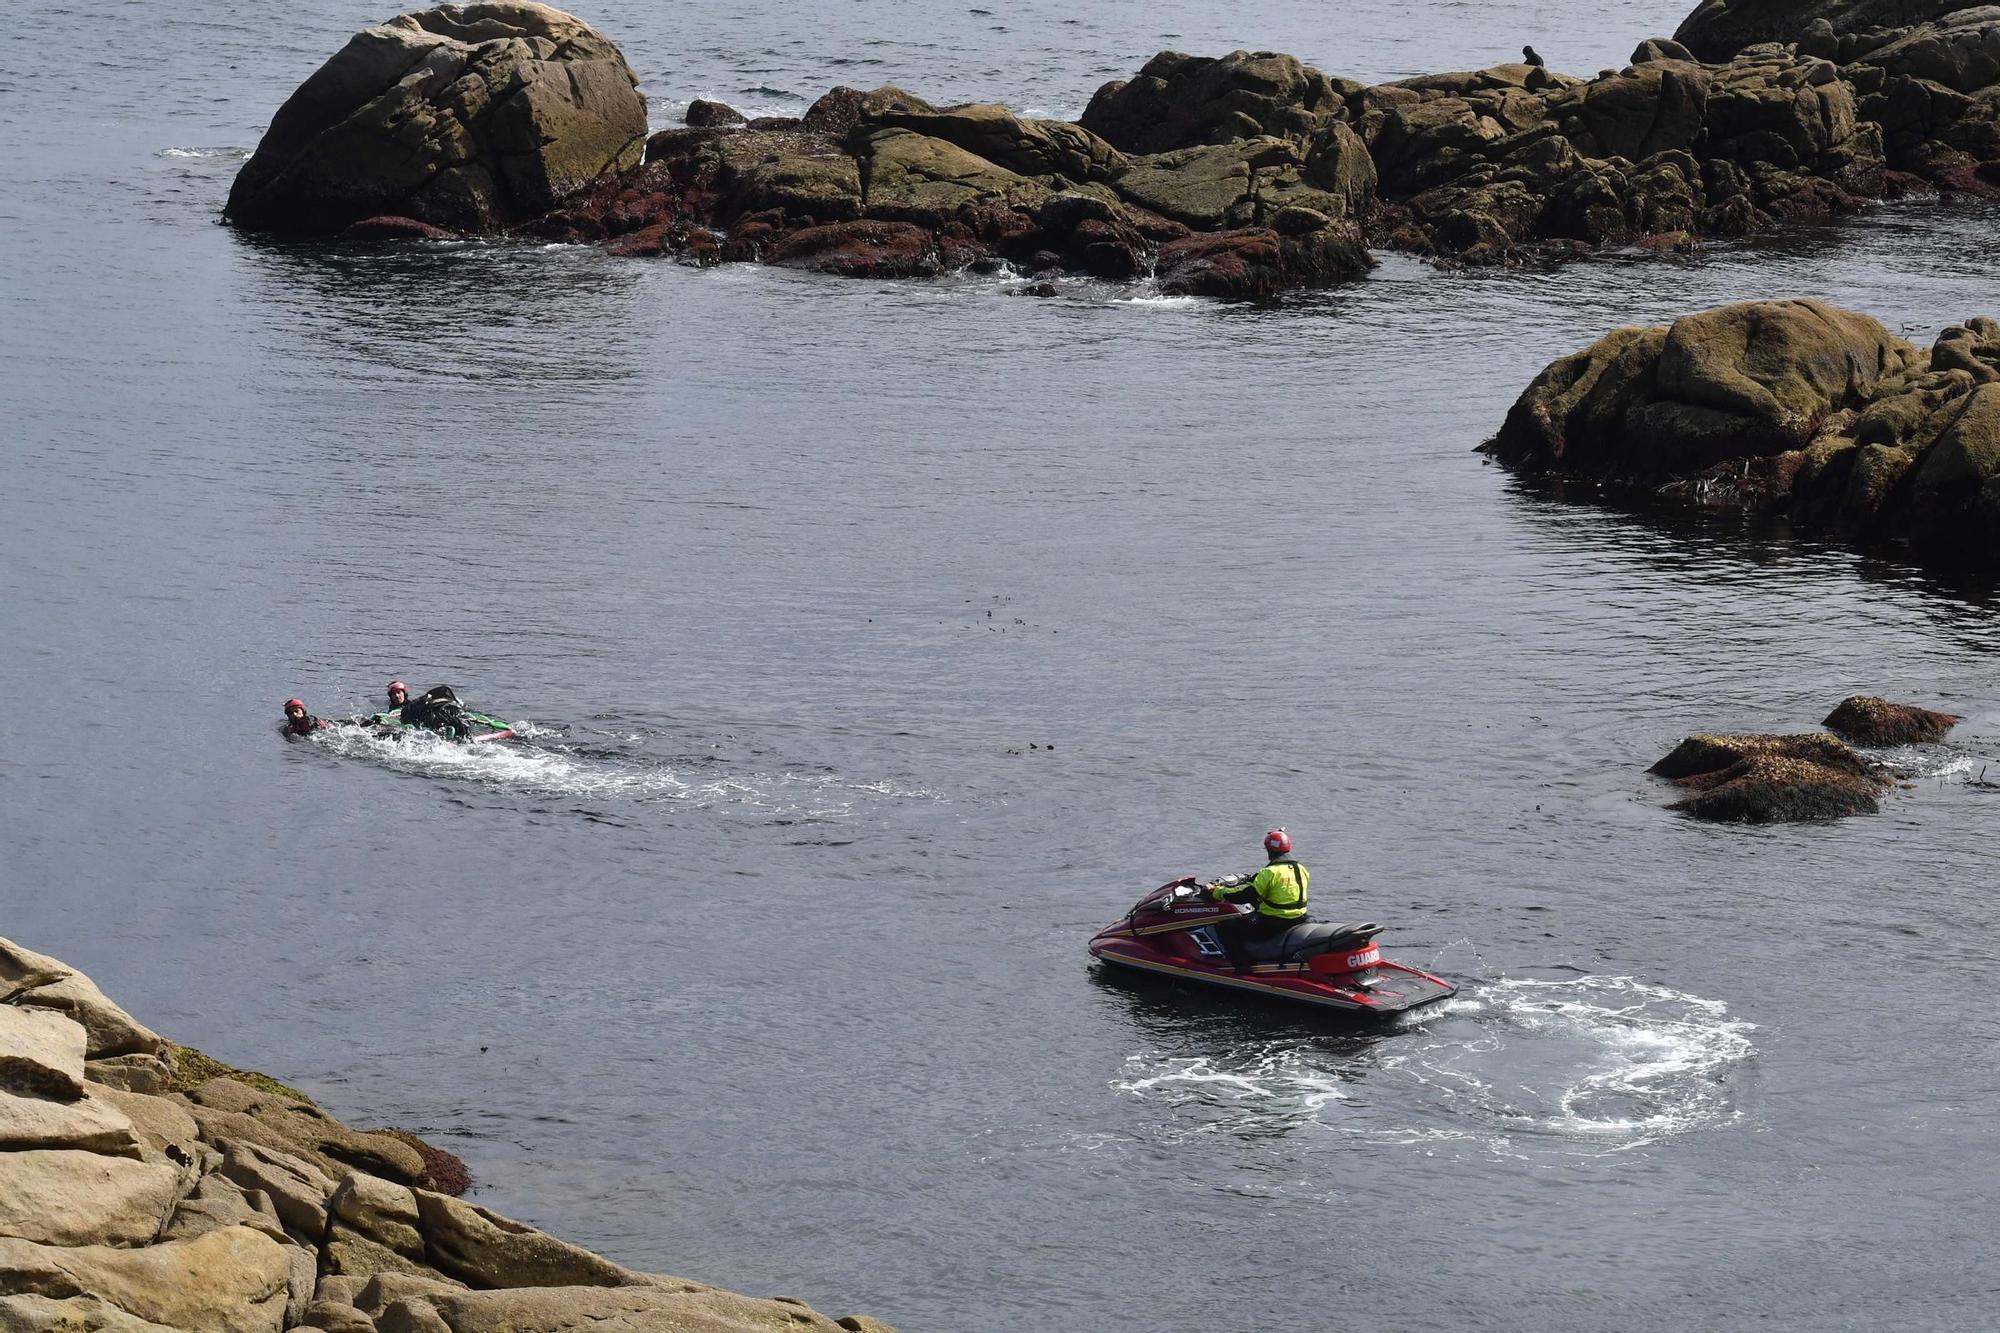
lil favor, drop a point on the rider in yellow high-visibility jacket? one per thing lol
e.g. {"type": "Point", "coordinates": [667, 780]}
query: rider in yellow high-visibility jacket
{"type": "Point", "coordinates": [1280, 891]}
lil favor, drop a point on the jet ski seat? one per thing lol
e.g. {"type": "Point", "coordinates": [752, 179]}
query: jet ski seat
{"type": "Point", "coordinates": [1308, 939]}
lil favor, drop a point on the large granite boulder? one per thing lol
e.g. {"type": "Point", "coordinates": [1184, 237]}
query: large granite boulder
{"type": "Point", "coordinates": [36, 981]}
{"type": "Point", "coordinates": [1950, 501]}
{"type": "Point", "coordinates": [1054, 151]}
{"type": "Point", "coordinates": [1743, 381]}
{"type": "Point", "coordinates": [1647, 109]}
{"type": "Point", "coordinates": [1791, 406]}
{"type": "Point", "coordinates": [1218, 187]}
{"type": "Point", "coordinates": [912, 177]}
{"type": "Point", "coordinates": [1178, 101]}
{"type": "Point", "coordinates": [1425, 143]}
{"type": "Point", "coordinates": [840, 111]}
{"type": "Point", "coordinates": [41, 1053]}
{"type": "Point", "coordinates": [232, 1280]}
{"type": "Point", "coordinates": [79, 1196]}
{"type": "Point", "coordinates": [1960, 51]}
{"type": "Point", "coordinates": [468, 116]}
{"type": "Point", "coordinates": [1718, 29]}
{"type": "Point", "coordinates": [91, 1123]}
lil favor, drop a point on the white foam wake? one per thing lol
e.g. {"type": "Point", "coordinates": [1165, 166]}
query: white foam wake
{"type": "Point", "coordinates": [1515, 1066]}
{"type": "Point", "coordinates": [532, 769]}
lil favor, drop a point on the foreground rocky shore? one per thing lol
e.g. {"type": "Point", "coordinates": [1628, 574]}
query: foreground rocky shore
{"type": "Point", "coordinates": [1235, 176]}
{"type": "Point", "coordinates": [1793, 407]}
{"type": "Point", "coordinates": [145, 1187]}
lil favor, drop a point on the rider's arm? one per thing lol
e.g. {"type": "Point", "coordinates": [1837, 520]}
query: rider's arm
{"type": "Point", "coordinates": [1234, 888]}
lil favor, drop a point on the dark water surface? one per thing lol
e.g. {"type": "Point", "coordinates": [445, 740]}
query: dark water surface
{"type": "Point", "coordinates": [884, 640]}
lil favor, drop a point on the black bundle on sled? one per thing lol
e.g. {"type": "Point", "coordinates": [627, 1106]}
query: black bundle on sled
{"type": "Point", "coordinates": [436, 709]}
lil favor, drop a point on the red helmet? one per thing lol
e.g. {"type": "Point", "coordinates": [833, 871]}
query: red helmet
{"type": "Point", "coordinates": [299, 704]}
{"type": "Point", "coordinates": [398, 687]}
{"type": "Point", "coordinates": [1278, 842]}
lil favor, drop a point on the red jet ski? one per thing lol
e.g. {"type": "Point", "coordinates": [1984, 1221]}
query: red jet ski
{"type": "Point", "coordinates": [1171, 931]}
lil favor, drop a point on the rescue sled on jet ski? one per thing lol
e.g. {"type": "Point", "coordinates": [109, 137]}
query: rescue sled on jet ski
{"type": "Point", "coordinates": [1171, 932]}
{"type": "Point", "coordinates": [439, 712]}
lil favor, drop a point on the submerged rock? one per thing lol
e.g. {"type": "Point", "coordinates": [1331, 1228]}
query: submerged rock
{"type": "Point", "coordinates": [1865, 720]}
{"type": "Point", "coordinates": [470, 117]}
{"type": "Point", "coordinates": [237, 1206]}
{"type": "Point", "coordinates": [1771, 779]}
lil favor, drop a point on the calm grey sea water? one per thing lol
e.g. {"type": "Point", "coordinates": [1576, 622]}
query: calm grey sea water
{"type": "Point", "coordinates": [884, 640]}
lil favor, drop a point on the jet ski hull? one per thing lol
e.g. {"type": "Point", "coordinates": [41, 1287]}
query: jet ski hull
{"type": "Point", "coordinates": [1171, 933]}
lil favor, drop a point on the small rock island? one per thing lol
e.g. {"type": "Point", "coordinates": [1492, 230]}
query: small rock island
{"type": "Point", "coordinates": [1792, 407]}
{"type": "Point", "coordinates": [1240, 175]}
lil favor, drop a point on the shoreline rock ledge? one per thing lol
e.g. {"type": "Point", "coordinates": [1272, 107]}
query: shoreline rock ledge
{"type": "Point", "coordinates": [141, 1190]}
{"type": "Point", "coordinates": [1239, 175]}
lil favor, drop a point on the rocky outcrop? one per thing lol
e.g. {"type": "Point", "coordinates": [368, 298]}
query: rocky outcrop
{"type": "Point", "coordinates": [703, 114]}
{"type": "Point", "coordinates": [1180, 101]}
{"type": "Point", "coordinates": [470, 116]}
{"type": "Point", "coordinates": [1863, 719]}
{"type": "Point", "coordinates": [220, 1201]}
{"type": "Point", "coordinates": [1771, 779]}
{"type": "Point", "coordinates": [1481, 166]}
{"type": "Point", "coordinates": [1718, 29]}
{"type": "Point", "coordinates": [1787, 406]}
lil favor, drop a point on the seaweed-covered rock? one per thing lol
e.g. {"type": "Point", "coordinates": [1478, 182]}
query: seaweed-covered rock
{"type": "Point", "coordinates": [467, 116]}
{"type": "Point", "coordinates": [865, 249]}
{"type": "Point", "coordinates": [1254, 263]}
{"type": "Point", "coordinates": [1863, 719]}
{"type": "Point", "coordinates": [1759, 779]}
